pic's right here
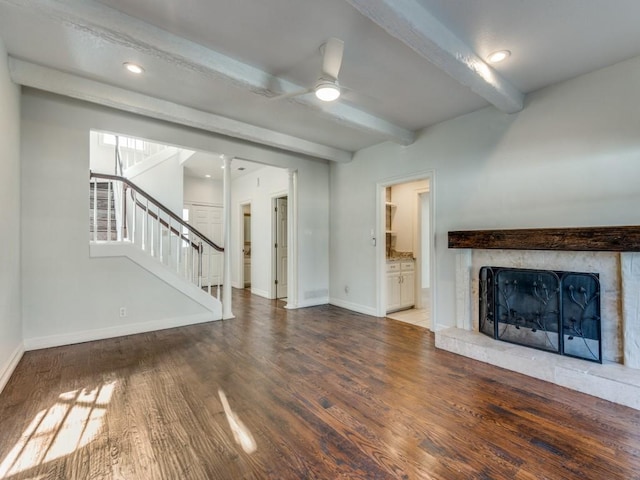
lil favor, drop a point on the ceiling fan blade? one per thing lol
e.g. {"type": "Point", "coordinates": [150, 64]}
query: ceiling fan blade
{"type": "Point", "coordinates": [295, 93]}
{"type": "Point", "coordinates": [332, 57]}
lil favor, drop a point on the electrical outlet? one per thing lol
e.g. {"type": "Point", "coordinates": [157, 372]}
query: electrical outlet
{"type": "Point", "coordinates": [123, 312]}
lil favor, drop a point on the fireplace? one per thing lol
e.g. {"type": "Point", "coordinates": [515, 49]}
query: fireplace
{"type": "Point", "coordinates": [613, 252]}
{"type": "Point", "coordinates": [555, 311]}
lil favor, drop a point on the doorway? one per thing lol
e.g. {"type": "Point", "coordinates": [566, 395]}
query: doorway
{"type": "Point", "coordinates": [405, 253]}
{"type": "Point", "coordinates": [246, 245]}
{"type": "Point", "coordinates": [281, 247]}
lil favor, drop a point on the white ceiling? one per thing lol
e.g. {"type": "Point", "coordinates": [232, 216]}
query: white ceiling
{"type": "Point", "coordinates": [408, 64]}
{"type": "Point", "coordinates": [209, 165]}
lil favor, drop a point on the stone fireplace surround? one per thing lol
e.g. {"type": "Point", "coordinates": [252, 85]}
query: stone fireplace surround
{"type": "Point", "coordinates": [618, 378]}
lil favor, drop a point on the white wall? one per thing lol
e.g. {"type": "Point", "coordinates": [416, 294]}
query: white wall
{"type": "Point", "coordinates": [164, 182]}
{"type": "Point", "coordinates": [67, 293]}
{"type": "Point", "coordinates": [161, 180]}
{"type": "Point", "coordinates": [570, 158]}
{"type": "Point", "coordinates": [65, 290]}
{"type": "Point", "coordinates": [10, 293]}
{"type": "Point", "coordinates": [202, 190]}
{"type": "Point", "coordinates": [103, 157]}
{"type": "Point", "coordinates": [248, 189]}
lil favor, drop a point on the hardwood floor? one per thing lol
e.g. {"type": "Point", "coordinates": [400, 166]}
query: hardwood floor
{"type": "Point", "coordinates": [325, 392]}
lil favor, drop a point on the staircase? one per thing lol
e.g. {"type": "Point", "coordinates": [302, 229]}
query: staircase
{"type": "Point", "coordinates": [127, 221]}
{"type": "Point", "coordinates": [101, 212]}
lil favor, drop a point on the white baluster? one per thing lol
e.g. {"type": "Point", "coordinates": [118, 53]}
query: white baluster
{"type": "Point", "coordinates": [209, 256]}
{"type": "Point", "coordinates": [160, 239]}
{"type": "Point", "coordinates": [95, 210]}
{"type": "Point", "coordinates": [178, 250]}
{"type": "Point", "coordinates": [133, 216]}
{"type": "Point", "coordinates": [147, 243]}
{"type": "Point", "coordinates": [190, 250]}
{"type": "Point", "coordinates": [200, 251]}
{"type": "Point", "coordinates": [220, 276]}
{"type": "Point", "coordinates": [109, 211]}
{"type": "Point", "coordinates": [123, 220]}
{"type": "Point", "coordinates": [168, 254]}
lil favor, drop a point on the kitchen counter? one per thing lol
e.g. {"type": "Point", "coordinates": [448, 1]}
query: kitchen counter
{"type": "Point", "coordinates": [400, 256]}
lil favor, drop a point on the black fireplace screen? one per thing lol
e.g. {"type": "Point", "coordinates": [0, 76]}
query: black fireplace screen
{"type": "Point", "coordinates": [532, 308]}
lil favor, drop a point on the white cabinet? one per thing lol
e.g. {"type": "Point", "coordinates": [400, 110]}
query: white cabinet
{"type": "Point", "coordinates": [393, 286]}
{"type": "Point", "coordinates": [400, 285]}
{"type": "Point", "coordinates": [247, 271]}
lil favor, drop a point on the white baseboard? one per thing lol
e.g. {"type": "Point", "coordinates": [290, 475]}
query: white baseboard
{"type": "Point", "coordinates": [37, 343]}
{"type": "Point", "coordinates": [312, 302]}
{"type": "Point", "coordinates": [260, 293]}
{"type": "Point", "coordinates": [356, 307]}
{"type": "Point", "coordinates": [7, 369]}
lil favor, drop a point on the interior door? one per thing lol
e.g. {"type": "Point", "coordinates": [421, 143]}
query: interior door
{"type": "Point", "coordinates": [281, 247]}
{"type": "Point", "coordinates": [208, 220]}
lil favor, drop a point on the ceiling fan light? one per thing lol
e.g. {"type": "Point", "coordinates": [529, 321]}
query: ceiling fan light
{"type": "Point", "coordinates": [327, 91]}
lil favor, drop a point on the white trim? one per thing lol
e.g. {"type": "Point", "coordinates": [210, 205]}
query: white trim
{"type": "Point", "coordinates": [106, 25]}
{"type": "Point", "coordinates": [313, 302]}
{"type": "Point", "coordinates": [414, 25]}
{"type": "Point", "coordinates": [203, 204]}
{"type": "Point", "coordinates": [9, 367]}
{"type": "Point", "coordinates": [261, 293]}
{"type": "Point", "coordinates": [227, 297]}
{"type": "Point", "coordinates": [61, 83]}
{"type": "Point", "coordinates": [273, 289]}
{"type": "Point", "coordinates": [240, 236]}
{"type": "Point", "coordinates": [381, 257]}
{"type": "Point", "coordinates": [355, 307]}
{"type": "Point", "coordinates": [292, 241]}
{"type": "Point", "coordinates": [150, 162]}
{"type": "Point", "coordinates": [37, 343]}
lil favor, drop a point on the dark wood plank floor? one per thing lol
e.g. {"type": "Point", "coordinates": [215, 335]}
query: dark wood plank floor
{"type": "Point", "coordinates": [326, 393]}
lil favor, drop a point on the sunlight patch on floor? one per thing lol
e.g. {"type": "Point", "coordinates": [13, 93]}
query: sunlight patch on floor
{"type": "Point", "coordinates": [69, 424]}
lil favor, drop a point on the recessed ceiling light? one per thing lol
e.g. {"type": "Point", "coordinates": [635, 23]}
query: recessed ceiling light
{"type": "Point", "coordinates": [207, 176]}
{"type": "Point", "coordinates": [133, 68]}
{"type": "Point", "coordinates": [221, 166]}
{"type": "Point", "coordinates": [498, 56]}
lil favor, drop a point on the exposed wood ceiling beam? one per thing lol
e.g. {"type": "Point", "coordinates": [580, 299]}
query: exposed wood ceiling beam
{"type": "Point", "coordinates": [61, 83]}
{"type": "Point", "coordinates": [112, 26]}
{"type": "Point", "coordinates": [411, 23]}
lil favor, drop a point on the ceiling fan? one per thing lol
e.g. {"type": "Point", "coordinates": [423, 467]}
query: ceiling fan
{"type": "Point", "coordinates": [326, 87]}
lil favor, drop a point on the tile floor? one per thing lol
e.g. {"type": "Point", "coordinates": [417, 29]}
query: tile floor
{"type": "Point", "coordinates": [416, 316]}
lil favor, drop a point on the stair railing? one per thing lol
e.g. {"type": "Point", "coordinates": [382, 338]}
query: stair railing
{"type": "Point", "coordinates": [132, 151]}
{"type": "Point", "coordinates": [132, 215]}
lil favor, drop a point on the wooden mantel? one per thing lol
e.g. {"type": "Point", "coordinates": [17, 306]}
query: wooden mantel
{"type": "Point", "coordinates": [602, 239]}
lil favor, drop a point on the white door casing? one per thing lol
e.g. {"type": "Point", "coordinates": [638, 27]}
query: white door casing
{"type": "Point", "coordinates": [281, 247]}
